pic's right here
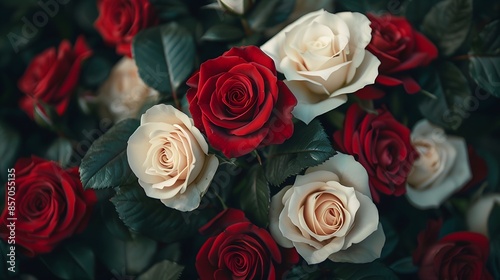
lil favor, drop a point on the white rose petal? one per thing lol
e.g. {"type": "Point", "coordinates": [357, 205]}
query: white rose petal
{"type": "Point", "coordinates": [479, 212]}
{"type": "Point", "coordinates": [442, 168]}
{"type": "Point", "coordinates": [323, 58]}
{"type": "Point", "coordinates": [124, 93]}
{"type": "Point", "coordinates": [169, 156]}
{"type": "Point", "coordinates": [328, 212]}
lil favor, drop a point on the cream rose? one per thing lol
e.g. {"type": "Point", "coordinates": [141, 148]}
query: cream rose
{"type": "Point", "coordinates": [170, 157]}
{"type": "Point", "coordinates": [323, 58]}
{"type": "Point", "coordinates": [479, 212]}
{"type": "Point", "coordinates": [124, 93]}
{"type": "Point", "coordinates": [328, 213]}
{"type": "Point", "coordinates": [441, 169]}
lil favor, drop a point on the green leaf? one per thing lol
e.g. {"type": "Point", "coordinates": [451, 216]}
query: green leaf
{"type": "Point", "coordinates": [451, 90]}
{"type": "Point", "coordinates": [105, 164]}
{"type": "Point", "coordinates": [261, 13]}
{"type": "Point", "coordinates": [404, 266]}
{"type": "Point", "coordinates": [152, 218]}
{"type": "Point", "coordinates": [170, 9]}
{"type": "Point", "coordinates": [494, 221]}
{"type": "Point", "coordinates": [487, 41]}
{"type": "Point", "coordinates": [494, 259]}
{"type": "Point", "coordinates": [309, 146]}
{"type": "Point", "coordinates": [304, 272]}
{"type": "Point", "coordinates": [73, 261]}
{"type": "Point", "coordinates": [9, 148]}
{"type": "Point", "coordinates": [165, 56]}
{"type": "Point", "coordinates": [281, 12]}
{"type": "Point", "coordinates": [255, 197]}
{"type": "Point", "coordinates": [60, 151]}
{"type": "Point", "coordinates": [95, 71]}
{"type": "Point", "coordinates": [448, 23]}
{"type": "Point", "coordinates": [486, 73]}
{"type": "Point", "coordinates": [373, 270]}
{"type": "Point", "coordinates": [415, 11]}
{"type": "Point", "coordinates": [391, 238]}
{"type": "Point", "coordinates": [165, 270]}
{"type": "Point", "coordinates": [223, 33]}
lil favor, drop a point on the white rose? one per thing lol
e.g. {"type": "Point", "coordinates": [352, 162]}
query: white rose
{"type": "Point", "coordinates": [328, 213]}
{"type": "Point", "coordinates": [479, 212]}
{"type": "Point", "coordinates": [170, 157]}
{"type": "Point", "coordinates": [124, 93]}
{"type": "Point", "coordinates": [323, 58]}
{"type": "Point", "coordinates": [441, 169]}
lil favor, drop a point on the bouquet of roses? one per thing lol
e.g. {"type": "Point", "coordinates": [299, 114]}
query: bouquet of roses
{"type": "Point", "coordinates": [250, 139]}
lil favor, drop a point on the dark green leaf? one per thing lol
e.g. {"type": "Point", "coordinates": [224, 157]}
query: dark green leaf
{"type": "Point", "coordinates": [112, 222]}
{"type": "Point", "coordinates": [404, 266]}
{"type": "Point", "coordinates": [488, 42]}
{"type": "Point", "coordinates": [152, 218]}
{"type": "Point", "coordinates": [223, 33]}
{"type": "Point", "coordinates": [451, 89]}
{"type": "Point", "coordinates": [105, 164]}
{"type": "Point", "coordinates": [448, 23]}
{"type": "Point", "coordinates": [494, 259]}
{"type": "Point", "coordinates": [309, 146]}
{"type": "Point", "coordinates": [9, 147]}
{"type": "Point", "coordinates": [261, 13]}
{"type": "Point", "coordinates": [165, 270]}
{"type": "Point", "coordinates": [304, 272]}
{"type": "Point", "coordinates": [391, 238]}
{"type": "Point", "coordinates": [373, 270]}
{"type": "Point", "coordinates": [179, 49]}
{"type": "Point", "coordinates": [494, 221]}
{"type": "Point", "coordinates": [73, 261]}
{"type": "Point", "coordinates": [171, 252]}
{"type": "Point", "coordinates": [165, 56]}
{"type": "Point", "coordinates": [170, 9]}
{"type": "Point", "coordinates": [486, 73]}
{"type": "Point", "coordinates": [364, 6]}
{"type": "Point", "coordinates": [60, 151]}
{"type": "Point", "coordinates": [282, 11]}
{"type": "Point", "coordinates": [415, 11]}
{"type": "Point", "coordinates": [255, 197]}
{"type": "Point", "coordinates": [95, 71]}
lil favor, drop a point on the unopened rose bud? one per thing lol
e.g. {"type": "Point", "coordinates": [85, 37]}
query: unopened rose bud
{"type": "Point", "coordinates": [479, 213]}
{"type": "Point", "coordinates": [238, 7]}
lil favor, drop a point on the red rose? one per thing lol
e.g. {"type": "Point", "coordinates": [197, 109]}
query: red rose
{"type": "Point", "coordinates": [241, 250]}
{"type": "Point", "coordinates": [238, 102]}
{"type": "Point", "coordinates": [382, 145]}
{"type": "Point", "coordinates": [399, 48]}
{"type": "Point", "coordinates": [120, 20]}
{"type": "Point", "coordinates": [52, 76]}
{"type": "Point", "coordinates": [50, 205]}
{"type": "Point", "coordinates": [459, 255]}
